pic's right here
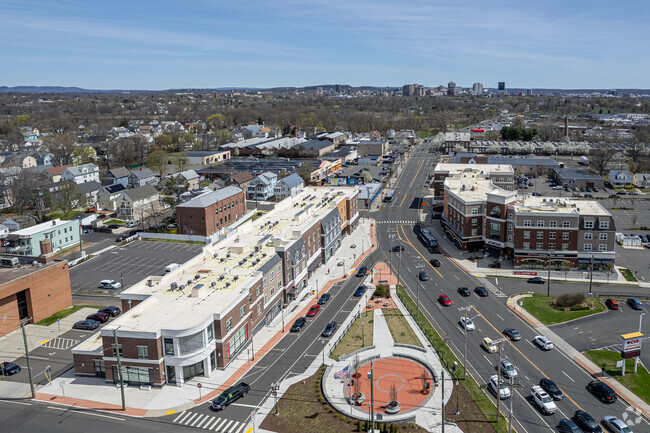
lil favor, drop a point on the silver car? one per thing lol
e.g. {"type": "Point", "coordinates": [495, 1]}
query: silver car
{"type": "Point", "coordinates": [507, 369]}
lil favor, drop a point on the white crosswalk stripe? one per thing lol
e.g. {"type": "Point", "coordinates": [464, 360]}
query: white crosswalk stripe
{"type": "Point", "coordinates": [227, 425]}
{"type": "Point", "coordinates": [218, 426]}
{"type": "Point", "coordinates": [187, 421]}
{"type": "Point", "coordinates": [60, 343]}
{"type": "Point", "coordinates": [209, 422]}
{"type": "Point", "coordinates": [492, 288]}
{"type": "Point", "coordinates": [180, 415]}
{"type": "Point", "coordinates": [234, 427]}
{"type": "Point", "coordinates": [241, 428]}
{"type": "Point", "coordinates": [197, 420]}
{"type": "Point", "coordinates": [210, 425]}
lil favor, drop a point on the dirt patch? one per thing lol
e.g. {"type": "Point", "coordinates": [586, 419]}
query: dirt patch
{"type": "Point", "coordinates": [470, 419]}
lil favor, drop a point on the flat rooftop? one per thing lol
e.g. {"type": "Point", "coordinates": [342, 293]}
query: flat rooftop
{"type": "Point", "coordinates": [212, 282]}
{"type": "Point", "coordinates": [457, 136]}
{"type": "Point", "coordinates": [20, 271]}
{"type": "Point", "coordinates": [530, 204]}
{"type": "Point", "coordinates": [484, 168]}
{"type": "Point", "coordinates": [471, 187]}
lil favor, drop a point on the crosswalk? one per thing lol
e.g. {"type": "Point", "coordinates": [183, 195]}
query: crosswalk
{"type": "Point", "coordinates": [60, 343]}
{"type": "Point", "coordinates": [397, 222]}
{"type": "Point", "coordinates": [209, 422]}
{"type": "Point", "coordinates": [492, 288]}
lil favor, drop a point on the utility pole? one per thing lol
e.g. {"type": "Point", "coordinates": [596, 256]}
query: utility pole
{"type": "Point", "coordinates": [372, 396]}
{"type": "Point", "coordinates": [469, 307]}
{"type": "Point", "coordinates": [500, 342]}
{"type": "Point", "coordinates": [548, 278]}
{"type": "Point", "coordinates": [119, 368]}
{"type": "Point", "coordinates": [442, 399]}
{"type": "Point", "coordinates": [29, 368]}
{"type": "Point", "coordinates": [591, 273]}
{"type": "Point", "coordinates": [510, 414]}
{"type": "Point", "coordinates": [418, 266]}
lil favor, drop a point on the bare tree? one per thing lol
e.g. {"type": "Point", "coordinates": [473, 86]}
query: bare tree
{"type": "Point", "coordinates": [180, 160]}
{"type": "Point", "coordinates": [61, 146]}
{"type": "Point", "coordinates": [158, 161]}
{"type": "Point", "coordinates": [599, 157]}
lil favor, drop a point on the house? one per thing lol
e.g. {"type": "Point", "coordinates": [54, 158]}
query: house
{"type": "Point", "coordinates": [54, 173]}
{"type": "Point", "coordinates": [90, 190]}
{"type": "Point", "coordinates": [44, 238]}
{"type": "Point", "coordinates": [241, 179]}
{"type": "Point", "coordinates": [262, 187]}
{"type": "Point", "coordinates": [42, 158]}
{"type": "Point", "coordinates": [289, 186]}
{"type": "Point", "coordinates": [108, 195]}
{"type": "Point", "coordinates": [641, 180]}
{"type": "Point", "coordinates": [139, 203]}
{"type": "Point", "coordinates": [4, 231]}
{"type": "Point", "coordinates": [20, 159]}
{"type": "Point", "coordinates": [81, 173]}
{"type": "Point", "coordinates": [315, 148]}
{"type": "Point", "coordinates": [206, 157]}
{"type": "Point", "coordinates": [620, 178]}
{"type": "Point", "coordinates": [142, 177]}
{"type": "Point", "coordinates": [11, 224]}
{"type": "Point", "coordinates": [577, 178]}
{"type": "Point", "coordinates": [190, 177]}
{"type": "Point", "coordinates": [210, 212]}
{"type": "Point", "coordinates": [116, 175]}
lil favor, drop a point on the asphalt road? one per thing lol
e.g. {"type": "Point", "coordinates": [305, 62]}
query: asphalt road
{"type": "Point", "coordinates": [290, 357]}
{"type": "Point", "coordinates": [490, 314]}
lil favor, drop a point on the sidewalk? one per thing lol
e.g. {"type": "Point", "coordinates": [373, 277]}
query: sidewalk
{"type": "Point", "coordinates": [582, 360]}
{"type": "Point", "coordinates": [95, 393]}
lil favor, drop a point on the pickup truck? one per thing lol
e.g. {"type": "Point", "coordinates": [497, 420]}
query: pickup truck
{"type": "Point", "coordinates": [230, 395]}
{"type": "Point", "coordinates": [542, 400]}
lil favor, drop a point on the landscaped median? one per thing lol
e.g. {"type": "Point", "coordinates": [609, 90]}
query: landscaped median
{"type": "Point", "coordinates": [558, 309]}
{"type": "Point", "coordinates": [357, 337]}
{"type": "Point", "coordinates": [638, 383]}
{"type": "Point", "coordinates": [64, 313]}
{"type": "Point", "coordinates": [399, 327]}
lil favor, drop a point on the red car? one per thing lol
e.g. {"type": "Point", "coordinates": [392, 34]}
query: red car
{"type": "Point", "coordinates": [612, 304]}
{"type": "Point", "coordinates": [313, 310]}
{"type": "Point", "coordinates": [444, 300]}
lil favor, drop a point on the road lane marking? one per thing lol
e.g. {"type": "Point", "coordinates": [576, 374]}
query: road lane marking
{"type": "Point", "coordinates": [204, 420]}
{"type": "Point", "coordinates": [178, 417]}
{"type": "Point", "coordinates": [228, 425]}
{"type": "Point", "coordinates": [414, 177]}
{"type": "Point", "coordinates": [534, 410]}
{"type": "Point", "coordinates": [190, 419]}
{"type": "Point", "coordinates": [17, 402]}
{"type": "Point", "coordinates": [65, 409]}
{"type": "Point", "coordinates": [416, 250]}
{"type": "Point", "coordinates": [249, 405]}
{"type": "Point", "coordinates": [457, 277]}
{"type": "Point", "coordinates": [234, 427]}
{"type": "Point", "coordinates": [218, 423]}
{"type": "Point", "coordinates": [501, 317]}
{"type": "Point", "coordinates": [568, 376]}
{"type": "Point", "coordinates": [185, 415]}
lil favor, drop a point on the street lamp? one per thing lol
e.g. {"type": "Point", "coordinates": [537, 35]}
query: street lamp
{"type": "Point", "coordinates": [274, 391]}
{"type": "Point", "coordinates": [363, 335]}
{"type": "Point", "coordinates": [282, 313]}
{"type": "Point", "coordinates": [457, 392]}
{"type": "Point", "coordinates": [323, 343]}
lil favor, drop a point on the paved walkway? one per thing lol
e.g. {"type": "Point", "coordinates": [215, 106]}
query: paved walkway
{"type": "Point", "coordinates": [582, 360]}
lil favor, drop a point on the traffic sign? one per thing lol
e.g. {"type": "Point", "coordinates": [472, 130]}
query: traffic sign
{"type": "Point", "coordinates": [252, 415]}
{"type": "Point", "coordinates": [198, 385]}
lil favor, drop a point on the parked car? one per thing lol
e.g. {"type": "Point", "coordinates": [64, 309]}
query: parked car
{"type": "Point", "coordinates": [132, 224]}
{"type": "Point", "coordinates": [324, 298]}
{"type": "Point", "coordinates": [543, 342]}
{"type": "Point", "coordinates": [489, 345]}
{"type": "Point", "coordinates": [435, 263]}
{"type": "Point", "coordinates": [464, 291]}
{"type": "Point", "coordinates": [112, 311]}
{"type": "Point", "coordinates": [634, 303]}
{"type": "Point", "coordinates": [329, 329]}
{"type": "Point", "coordinates": [362, 271]}
{"type": "Point", "coordinates": [621, 193]}
{"type": "Point", "coordinates": [9, 368]}
{"type": "Point", "coordinates": [360, 291]}
{"type": "Point", "coordinates": [504, 390]}
{"type": "Point", "coordinates": [557, 187]}
{"type": "Point", "coordinates": [398, 248]}
{"type": "Point", "coordinates": [615, 425]}
{"type": "Point", "coordinates": [602, 391]}
{"type": "Point", "coordinates": [507, 369]}
{"type": "Point", "coordinates": [568, 426]}
{"type": "Point", "coordinates": [512, 333]}
{"type": "Point", "coordinates": [613, 196]}
{"type": "Point", "coordinates": [444, 300]}
{"type": "Point", "coordinates": [551, 388]}
{"type": "Point", "coordinates": [109, 284]}
{"type": "Point", "coordinates": [481, 291]}
{"type": "Point", "coordinates": [536, 280]}
{"type": "Point", "coordinates": [586, 422]}
{"type": "Point", "coordinates": [230, 395]}
{"type": "Point", "coordinates": [88, 325]}
{"type": "Point", "coordinates": [542, 400]}
{"type": "Point", "coordinates": [298, 324]}
{"type": "Point", "coordinates": [423, 276]}
{"type": "Point", "coordinates": [100, 317]}
{"type": "Point", "coordinates": [469, 326]}
{"type": "Point", "coordinates": [134, 232]}
{"type": "Point", "coordinates": [113, 226]}
{"type": "Point", "coordinates": [120, 238]}
{"type": "Point", "coordinates": [313, 310]}
{"type": "Point", "coordinates": [612, 304]}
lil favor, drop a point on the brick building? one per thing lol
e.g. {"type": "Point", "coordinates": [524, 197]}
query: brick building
{"type": "Point", "coordinates": [211, 212]}
{"type": "Point", "coordinates": [455, 139]}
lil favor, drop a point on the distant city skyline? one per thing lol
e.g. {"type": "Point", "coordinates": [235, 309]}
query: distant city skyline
{"type": "Point", "coordinates": [202, 44]}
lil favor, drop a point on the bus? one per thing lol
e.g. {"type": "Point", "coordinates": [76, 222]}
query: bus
{"type": "Point", "coordinates": [389, 196]}
{"type": "Point", "coordinates": [427, 238]}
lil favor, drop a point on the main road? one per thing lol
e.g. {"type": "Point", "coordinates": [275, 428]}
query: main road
{"type": "Point", "coordinates": [396, 224]}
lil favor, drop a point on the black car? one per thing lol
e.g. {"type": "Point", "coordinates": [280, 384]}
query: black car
{"type": "Point", "coordinates": [551, 388]}
{"type": "Point", "coordinates": [231, 394]}
{"type": "Point", "coordinates": [634, 303]}
{"type": "Point", "coordinates": [114, 226]}
{"type": "Point", "coordinates": [324, 298]}
{"type": "Point", "coordinates": [8, 368]}
{"type": "Point", "coordinates": [120, 238]}
{"type": "Point", "coordinates": [568, 426]}
{"type": "Point", "coordinates": [481, 291]}
{"type": "Point", "coordinates": [360, 291]}
{"type": "Point", "coordinates": [536, 280]}
{"type": "Point", "coordinates": [299, 323]}
{"type": "Point", "coordinates": [112, 311]}
{"type": "Point", "coordinates": [586, 422]}
{"type": "Point", "coordinates": [435, 263]}
{"type": "Point", "coordinates": [329, 329]}
{"type": "Point", "coordinates": [463, 291]}
{"type": "Point", "coordinates": [512, 333]}
{"type": "Point", "coordinates": [602, 391]}
{"type": "Point", "coordinates": [135, 232]}
{"type": "Point", "coordinates": [423, 276]}
{"type": "Point", "coordinates": [86, 325]}
{"type": "Point", "coordinates": [398, 248]}
{"type": "Point", "coordinates": [362, 271]}
{"type": "Point", "coordinates": [99, 317]}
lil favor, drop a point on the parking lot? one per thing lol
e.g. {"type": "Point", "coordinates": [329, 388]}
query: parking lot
{"type": "Point", "coordinates": [130, 263]}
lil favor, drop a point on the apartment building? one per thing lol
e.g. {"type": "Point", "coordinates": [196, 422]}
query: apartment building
{"type": "Point", "coordinates": [502, 175]}
{"type": "Point", "coordinates": [535, 232]}
{"type": "Point", "coordinates": [454, 140]}
{"type": "Point", "coordinates": [211, 212]}
{"type": "Point", "coordinates": [199, 317]}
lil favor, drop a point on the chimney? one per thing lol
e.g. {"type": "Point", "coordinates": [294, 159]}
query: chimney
{"type": "Point", "coordinates": [566, 127]}
{"type": "Point", "coordinates": [53, 222]}
{"type": "Point", "coordinates": [46, 251]}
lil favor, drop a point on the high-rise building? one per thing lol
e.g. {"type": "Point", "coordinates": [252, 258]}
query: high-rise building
{"type": "Point", "coordinates": [502, 86]}
{"type": "Point", "coordinates": [451, 88]}
{"type": "Point", "coordinates": [319, 91]}
{"type": "Point", "coordinates": [409, 89]}
{"type": "Point", "coordinates": [529, 92]}
{"type": "Point", "coordinates": [477, 88]}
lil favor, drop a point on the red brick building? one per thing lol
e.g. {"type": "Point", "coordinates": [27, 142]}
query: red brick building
{"type": "Point", "coordinates": [211, 212]}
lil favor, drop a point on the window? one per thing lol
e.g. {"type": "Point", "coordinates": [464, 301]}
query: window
{"type": "Point", "coordinates": [526, 245]}
{"type": "Point", "coordinates": [264, 283]}
{"type": "Point", "coordinates": [551, 235]}
{"type": "Point", "coordinates": [474, 221]}
{"type": "Point", "coordinates": [119, 347]}
{"type": "Point", "coordinates": [271, 276]}
{"type": "Point", "coordinates": [259, 309]}
{"type": "Point", "coordinates": [540, 245]}
{"type": "Point", "coordinates": [210, 333]}
{"type": "Point", "coordinates": [540, 223]}
{"type": "Point", "coordinates": [565, 247]}
{"type": "Point", "coordinates": [566, 224]}
{"type": "Point", "coordinates": [602, 247]}
{"type": "Point", "coordinates": [228, 324]}
{"type": "Point", "coordinates": [474, 232]}
{"type": "Point", "coordinates": [552, 224]}
{"type": "Point", "coordinates": [587, 247]}
{"type": "Point", "coordinates": [565, 236]}
{"type": "Point", "coordinates": [509, 238]}
{"type": "Point", "coordinates": [589, 236]}
{"type": "Point", "coordinates": [540, 235]}
{"type": "Point", "coordinates": [242, 311]}
{"type": "Point", "coordinates": [475, 211]}
{"type": "Point", "coordinates": [509, 227]}
{"type": "Point", "coordinates": [603, 224]}
{"type": "Point", "coordinates": [250, 298]}
{"type": "Point", "coordinates": [551, 247]}
{"type": "Point", "coordinates": [495, 212]}
{"type": "Point", "coordinates": [526, 235]}
{"type": "Point", "coordinates": [602, 236]}
{"type": "Point", "coordinates": [589, 224]}
{"type": "Point", "coordinates": [143, 352]}
{"type": "Point", "coordinates": [527, 223]}
{"type": "Point", "coordinates": [169, 346]}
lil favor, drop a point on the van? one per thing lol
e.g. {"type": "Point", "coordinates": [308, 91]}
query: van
{"type": "Point", "coordinates": [172, 267]}
{"type": "Point", "coordinates": [489, 345]}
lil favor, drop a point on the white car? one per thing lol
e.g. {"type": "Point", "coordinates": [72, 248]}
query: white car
{"type": "Point", "coordinates": [543, 342]}
{"type": "Point", "coordinates": [616, 425]}
{"type": "Point", "coordinates": [557, 187]}
{"type": "Point", "coordinates": [109, 284]}
{"type": "Point", "coordinates": [469, 325]}
{"type": "Point", "coordinates": [507, 369]}
{"type": "Point", "coordinates": [543, 400]}
{"type": "Point", "coordinates": [494, 384]}
{"type": "Point", "coordinates": [132, 224]}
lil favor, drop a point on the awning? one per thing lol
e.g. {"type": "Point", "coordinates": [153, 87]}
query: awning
{"type": "Point", "coordinates": [311, 268]}
{"type": "Point", "coordinates": [584, 260]}
{"type": "Point", "coordinates": [293, 292]}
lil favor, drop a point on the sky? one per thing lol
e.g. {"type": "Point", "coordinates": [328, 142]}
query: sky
{"type": "Point", "coordinates": [142, 44]}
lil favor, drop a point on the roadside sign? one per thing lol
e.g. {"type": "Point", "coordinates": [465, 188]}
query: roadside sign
{"type": "Point", "coordinates": [620, 363]}
{"type": "Point", "coordinates": [252, 415]}
{"type": "Point", "coordinates": [198, 385]}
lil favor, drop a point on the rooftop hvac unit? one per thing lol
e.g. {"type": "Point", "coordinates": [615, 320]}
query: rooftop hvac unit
{"type": "Point", "coordinates": [227, 283]}
{"type": "Point", "coordinates": [215, 255]}
{"type": "Point", "coordinates": [213, 284]}
{"type": "Point", "coordinates": [9, 262]}
{"type": "Point", "coordinates": [174, 286]}
{"type": "Point", "coordinates": [189, 282]}
{"type": "Point", "coordinates": [197, 276]}
{"type": "Point", "coordinates": [150, 283]}
{"type": "Point", "coordinates": [235, 278]}
{"type": "Point", "coordinates": [227, 255]}
{"type": "Point", "coordinates": [181, 287]}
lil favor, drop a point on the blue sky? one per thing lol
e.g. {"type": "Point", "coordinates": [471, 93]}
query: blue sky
{"type": "Point", "coordinates": [142, 44]}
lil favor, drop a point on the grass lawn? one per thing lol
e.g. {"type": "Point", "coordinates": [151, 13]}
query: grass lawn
{"type": "Point", "coordinates": [627, 274]}
{"type": "Point", "coordinates": [638, 383]}
{"type": "Point", "coordinates": [538, 306]}
{"type": "Point", "coordinates": [63, 215]}
{"type": "Point", "coordinates": [303, 409]}
{"type": "Point", "coordinates": [120, 222]}
{"type": "Point", "coordinates": [353, 340]}
{"type": "Point", "coordinates": [64, 313]}
{"type": "Point", "coordinates": [399, 327]}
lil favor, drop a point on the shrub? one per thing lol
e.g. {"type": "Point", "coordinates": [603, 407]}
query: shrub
{"type": "Point", "coordinates": [366, 426]}
{"type": "Point", "coordinates": [579, 308]}
{"type": "Point", "coordinates": [568, 300]}
{"type": "Point", "coordinates": [380, 291]}
{"type": "Point", "coordinates": [358, 425]}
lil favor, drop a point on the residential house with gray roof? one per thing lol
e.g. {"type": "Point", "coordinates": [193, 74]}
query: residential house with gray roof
{"type": "Point", "coordinates": [116, 175]}
{"type": "Point", "coordinates": [262, 187]}
{"type": "Point", "coordinates": [289, 186]}
{"type": "Point", "coordinates": [142, 177]}
{"type": "Point", "coordinates": [81, 173]}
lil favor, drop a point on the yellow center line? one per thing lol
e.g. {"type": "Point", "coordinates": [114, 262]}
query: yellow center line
{"type": "Point", "coordinates": [414, 177]}
{"type": "Point", "coordinates": [416, 250]}
{"type": "Point", "coordinates": [526, 358]}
